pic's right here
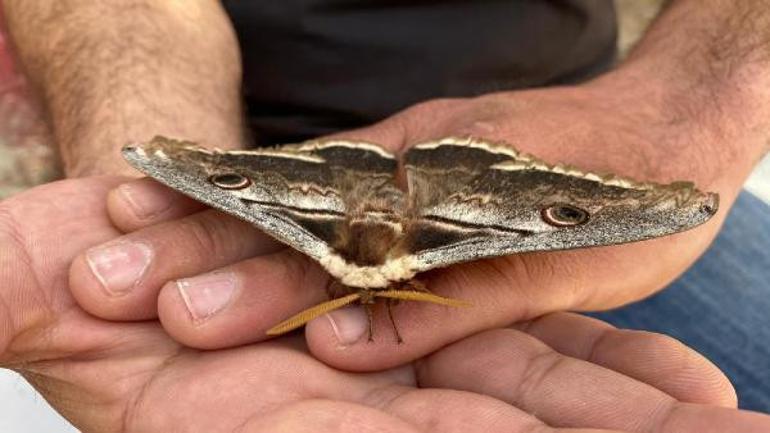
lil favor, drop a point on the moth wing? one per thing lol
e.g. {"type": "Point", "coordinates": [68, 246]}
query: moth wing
{"type": "Point", "coordinates": [471, 199]}
{"type": "Point", "coordinates": [299, 194]}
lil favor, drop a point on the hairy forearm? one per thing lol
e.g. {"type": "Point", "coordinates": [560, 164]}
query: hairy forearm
{"type": "Point", "coordinates": [701, 76]}
{"type": "Point", "coordinates": [705, 64]}
{"type": "Point", "coordinates": [116, 71]}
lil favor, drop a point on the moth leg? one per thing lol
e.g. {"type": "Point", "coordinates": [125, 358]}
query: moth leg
{"type": "Point", "coordinates": [417, 286]}
{"type": "Point", "coordinates": [369, 308]}
{"type": "Point", "coordinates": [336, 290]}
{"type": "Point", "coordinates": [390, 302]}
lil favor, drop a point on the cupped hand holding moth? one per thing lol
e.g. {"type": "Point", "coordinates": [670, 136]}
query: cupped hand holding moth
{"type": "Point", "coordinates": [213, 293]}
{"type": "Point", "coordinates": [611, 125]}
{"type": "Point", "coordinates": [127, 375]}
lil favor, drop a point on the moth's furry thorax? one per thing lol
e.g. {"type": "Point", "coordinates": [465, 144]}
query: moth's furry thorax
{"type": "Point", "coordinates": [367, 241]}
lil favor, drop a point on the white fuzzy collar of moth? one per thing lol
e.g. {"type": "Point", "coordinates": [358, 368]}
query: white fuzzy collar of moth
{"type": "Point", "coordinates": [370, 277]}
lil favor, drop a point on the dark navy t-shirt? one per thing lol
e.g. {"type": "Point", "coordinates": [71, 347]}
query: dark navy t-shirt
{"type": "Point", "coordinates": [312, 67]}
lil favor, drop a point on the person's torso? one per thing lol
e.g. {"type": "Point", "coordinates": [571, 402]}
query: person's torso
{"type": "Point", "coordinates": [312, 67]}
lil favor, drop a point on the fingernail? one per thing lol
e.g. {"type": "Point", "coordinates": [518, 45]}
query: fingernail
{"type": "Point", "coordinates": [119, 266]}
{"type": "Point", "coordinates": [206, 295]}
{"type": "Point", "coordinates": [349, 324]}
{"type": "Point", "coordinates": [145, 202]}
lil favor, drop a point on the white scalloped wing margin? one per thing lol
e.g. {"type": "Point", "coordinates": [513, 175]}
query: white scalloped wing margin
{"type": "Point", "coordinates": [393, 270]}
{"type": "Point", "coordinates": [523, 161]}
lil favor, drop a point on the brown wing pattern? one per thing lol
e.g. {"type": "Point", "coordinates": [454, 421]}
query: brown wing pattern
{"type": "Point", "coordinates": [472, 199]}
{"type": "Point", "coordinates": [297, 193]}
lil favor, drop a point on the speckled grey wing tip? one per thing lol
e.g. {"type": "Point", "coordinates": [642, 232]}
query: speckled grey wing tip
{"type": "Point", "coordinates": [711, 205]}
{"type": "Point", "coordinates": [132, 153]}
{"type": "Point", "coordinates": [129, 148]}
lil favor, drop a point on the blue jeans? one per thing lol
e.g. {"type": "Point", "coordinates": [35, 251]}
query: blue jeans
{"type": "Point", "coordinates": [721, 306]}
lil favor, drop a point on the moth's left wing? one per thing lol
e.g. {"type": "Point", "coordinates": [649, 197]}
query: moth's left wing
{"type": "Point", "coordinates": [299, 194]}
{"type": "Point", "coordinates": [470, 199]}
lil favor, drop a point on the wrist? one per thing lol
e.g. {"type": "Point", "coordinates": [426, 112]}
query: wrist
{"type": "Point", "coordinates": [88, 150]}
{"type": "Point", "coordinates": [178, 74]}
{"type": "Point", "coordinates": [712, 131]}
{"type": "Point", "coordinates": [703, 70]}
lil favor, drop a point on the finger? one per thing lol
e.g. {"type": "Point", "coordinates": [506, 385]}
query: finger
{"type": "Point", "coordinates": [238, 304]}
{"type": "Point", "coordinates": [418, 123]}
{"type": "Point", "coordinates": [655, 359]}
{"type": "Point", "coordinates": [324, 416]}
{"type": "Point", "coordinates": [421, 122]}
{"type": "Point", "coordinates": [341, 337]}
{"type": "Point", "coordinates": [337, 416]}
{"type": "Point", "coordinates": [451, 411]}
{"type": "Point", "coordinates": [519, 369]}
{"type": "Point", "coordinates": [120, 280]}
{"type": "Point", "coordinates": [262, 378]}
{"type": "Point", "coordinates": [144, 202]}
{"type": "Point", "coordinates": [391, 392]}
{"type": "Point", "coordinates": [389, 133]}
{"type": "Point", "coordinates": [688, 417]}
{"type": "Point", "coordinates": [285, 374]}
{"type": "Point", "coordinates": [563, 391]}
{"type": "Point", "coordinates": [500, 291]}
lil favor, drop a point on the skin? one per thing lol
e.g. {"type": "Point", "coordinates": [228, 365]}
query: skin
{"type": "Point", "coordinates": [502, 291]}
{"type": "Point", "coordinates": [565, 368]}
{"type": "Point", "coordinates": [689, 103]}
{"type": "Point", "coordinates": [118, 71]}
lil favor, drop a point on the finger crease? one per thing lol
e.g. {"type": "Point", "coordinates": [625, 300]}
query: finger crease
{"type": "Point", "coordinates": [539, 368]}
{"type": "Point", "coordinates": [661, 416]}
{"type": "Point", "coordinates": [595, 345]}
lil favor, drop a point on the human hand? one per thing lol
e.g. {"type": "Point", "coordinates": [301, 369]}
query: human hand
{"type": "Point", "coordinates": [604, 126]}
{"type": "Point", "coordinates": [578, 125]}
{"type": "Point", "coordinates": [130, 376]}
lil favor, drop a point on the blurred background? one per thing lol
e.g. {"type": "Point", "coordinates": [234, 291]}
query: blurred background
{"type": "Point", "coordinates": [27, 159]}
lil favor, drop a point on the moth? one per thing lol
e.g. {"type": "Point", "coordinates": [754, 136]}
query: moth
{"type": "Point", "coordinates": [464, 199]}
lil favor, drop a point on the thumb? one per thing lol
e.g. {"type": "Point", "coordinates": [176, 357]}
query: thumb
{"type": "Point", "coordinates": [340, 338]}
{"type": "Point", "coordinates": [424, 121]}
{"type": "Point", "coordinates": [389, 133]}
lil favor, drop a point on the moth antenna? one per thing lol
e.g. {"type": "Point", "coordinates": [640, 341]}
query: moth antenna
{"type": "Point", "coordinates": [370, 319]}
{"type": "Point", "coordinates": [311, 313]}
{"type": "Point", "coordinates": [411, 295]}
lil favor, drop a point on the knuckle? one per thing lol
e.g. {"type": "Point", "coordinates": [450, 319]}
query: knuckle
{"type": "Point", "coordinates": [550, 281]}
{"type": "Point", "coordinates": [431, 106]}
{"type": "Point", "coordinates": [434, 109]}
{"type": "Point", "coordinates": [482, 128]}
{"type": "Point", "coordinates": [205, 232]}
{"type": "Point", "coordinates": [293, 265]}
{"type": "Point", "coordinates": [301, 270]}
